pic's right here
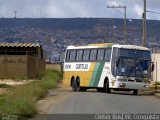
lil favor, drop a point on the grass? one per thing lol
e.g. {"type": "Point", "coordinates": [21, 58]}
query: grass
{"type": "Point", "coordinates": [157, 95]}
{"type": "Point", "coordinates": [157, 83]}
{"type": "Point", "coordinates": [20, 100]}
{"type": "Point", "coordinates": [56, 67]}
{"type": "Point", "coordinates": [4, 85]}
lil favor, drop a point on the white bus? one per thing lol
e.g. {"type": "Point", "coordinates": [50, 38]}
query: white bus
{"type": "Point", "coordinates": [108, 66]}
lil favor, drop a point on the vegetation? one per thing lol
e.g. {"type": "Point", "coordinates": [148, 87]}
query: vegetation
{"type": "Point", "coordinates": [157, 95]}
{"type": "Point", "coordinates": [157, 83]}
{"type": "Point", "coordinates": [20, 100]}
{"type": "Point", "coordinates": [4, 85]}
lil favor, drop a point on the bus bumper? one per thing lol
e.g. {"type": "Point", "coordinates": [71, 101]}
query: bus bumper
{"type": "Point", "coordinates": [131, 85]}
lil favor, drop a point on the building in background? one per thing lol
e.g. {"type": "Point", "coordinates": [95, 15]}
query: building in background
{"type": "Point", "coordinates": [21, 60]}
{"type": "Point", "coordinates": [156, 72]}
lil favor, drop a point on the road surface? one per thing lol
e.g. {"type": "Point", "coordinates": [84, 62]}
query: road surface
{"type": "Point", "coordinates": [64, 101]}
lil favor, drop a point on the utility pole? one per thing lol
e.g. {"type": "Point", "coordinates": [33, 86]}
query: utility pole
{"type": "Point", "coordinates": [113, 30]}
{"type": "Point", "coordinates": [144, 26]}
{"type": "Point", "coordinates": [15, 13]}
{"type": "Point", "coordinates": [125, 26]}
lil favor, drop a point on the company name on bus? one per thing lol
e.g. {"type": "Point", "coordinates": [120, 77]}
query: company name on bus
{"type": "Point", "coordinates": [81, 66]}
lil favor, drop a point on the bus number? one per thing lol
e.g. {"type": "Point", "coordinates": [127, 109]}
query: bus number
{"type": "Point", "coordinates": [67, 66]}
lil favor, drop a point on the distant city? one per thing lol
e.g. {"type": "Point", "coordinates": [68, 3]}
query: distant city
{"type": "Point", "coordinates": [56, 34]}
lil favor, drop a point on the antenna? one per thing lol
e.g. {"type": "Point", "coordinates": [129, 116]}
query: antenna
{"type": "Point", "coordinates": [15, 13]}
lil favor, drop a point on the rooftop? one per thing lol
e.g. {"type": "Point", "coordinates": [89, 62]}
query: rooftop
{"type": "Point", "coordinates": [20, 45]}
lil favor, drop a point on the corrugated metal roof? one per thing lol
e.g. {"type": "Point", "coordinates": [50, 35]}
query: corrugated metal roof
{"type": "Point", "coordinates": [20, 45]}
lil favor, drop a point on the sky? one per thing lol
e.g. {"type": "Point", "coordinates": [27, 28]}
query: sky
{"type": "Point", "coordinates": [77, 8]}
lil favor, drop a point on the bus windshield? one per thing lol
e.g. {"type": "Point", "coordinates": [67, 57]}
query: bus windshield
{"type": "Point", "coordinates": [131, 63]}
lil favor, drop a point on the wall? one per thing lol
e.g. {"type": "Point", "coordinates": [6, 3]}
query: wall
{"type": "Point", "coordinates": [13, 66]}
{"type": "Point", "coordinates": [156, 72]}
{"type": "Point", "coordinates": [54, 67]}
{"type": "Point", "coordinates": [20, 66]}
{"type": "Point", "coordinates": [34, 66]}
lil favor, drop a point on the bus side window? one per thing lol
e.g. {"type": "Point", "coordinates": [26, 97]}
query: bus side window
{"type": "Point", "coordinates": [93, 54]}
{"type": "Point", "coordinates": [100, 55]}
{"type": "Point", "coordinates": [79, 55]}
{"type": "Point", "coordinates": [107, 54]}
{"type": "Point", "coordinates": [86, 55]}
{"type": "Point", "coordinates": [67, 55]}
{"type": "Point", "coordinates": [72, 55]}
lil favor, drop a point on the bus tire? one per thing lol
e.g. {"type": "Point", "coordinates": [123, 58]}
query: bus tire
{"type": "Point", "coordinates": [107, 89]}
{"type": "Point", "coordinates": [100, 89]}
{"type": "Point", "coordinates": [78, 84]}
{"type": "Point", "coordinates": [135, 92]}
{"type": "Point", "coordinates": [74, 85]}
{"type": "Point", "coordinates": [83, 89]}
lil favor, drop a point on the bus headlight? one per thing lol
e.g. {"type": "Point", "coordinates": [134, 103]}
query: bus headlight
{"type": "Point", "coordinates": [146, 86]}
{"type": "Point", "coordinates": [123, 85]}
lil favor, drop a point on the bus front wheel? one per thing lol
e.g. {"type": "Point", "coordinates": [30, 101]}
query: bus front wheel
{"type": "Point", "coordinates": [135, 92]}
{"type": "Point", "coordinates": [107, 89]}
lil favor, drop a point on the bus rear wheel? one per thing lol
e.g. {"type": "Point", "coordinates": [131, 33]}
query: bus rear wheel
{"type": "Point", "coordinates": [83, 89]}
{"type": "Point", "coordinates": [74, 85]}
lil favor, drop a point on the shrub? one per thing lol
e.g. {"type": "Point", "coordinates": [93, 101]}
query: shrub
{"type": "Point", "coordinates": [21, 99]}
{"type": "Point", "coordinates": [4, 85]}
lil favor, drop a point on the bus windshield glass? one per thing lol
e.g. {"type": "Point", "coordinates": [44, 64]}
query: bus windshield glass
{"type": "Point", "coordinates": [136, 54]}
{"type": "Point", "coordinates": [131, 63]}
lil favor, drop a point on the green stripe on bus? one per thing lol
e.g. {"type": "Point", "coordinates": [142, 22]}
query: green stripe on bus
{"type": "Point", "coordinates": [97, 74]}
{"type": "Point", "coordinates": [94, 73]}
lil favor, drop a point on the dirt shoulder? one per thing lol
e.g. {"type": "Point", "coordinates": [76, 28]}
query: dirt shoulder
{"type": "Point", "coordinates": [15, 82]}
{"type": "Point", "coordinates": [54, 96]}
{"type": "Point", "coordinates": [12, 83]}
{"type": "Point", "coordinates": [2, 90]}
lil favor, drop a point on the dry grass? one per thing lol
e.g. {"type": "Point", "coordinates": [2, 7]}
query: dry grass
{"type": "Point", "coordinates": [2, 90]}
{"type": "Point", "coordinates": [56, 67]}
{"type": "Point", "coordinates": [20, 100]}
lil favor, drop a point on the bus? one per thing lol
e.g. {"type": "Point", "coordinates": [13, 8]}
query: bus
{"type": "Point", "coordinates": [108, 66]}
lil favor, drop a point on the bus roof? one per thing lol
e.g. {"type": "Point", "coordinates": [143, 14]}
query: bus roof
{"type": "Point", "coordinates": [102, 45]}
{"type": "Point", "coordinates": [108, 45]}
{"type": "Point", "coordinates": [131, 47]}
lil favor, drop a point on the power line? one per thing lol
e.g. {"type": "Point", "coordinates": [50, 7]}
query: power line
{"type": "Point", "coordinates": [125, 32]}
{"type": "Point", "coordinates": [119, 12]}
{"type": "Point", "coordinates": [153, 12]}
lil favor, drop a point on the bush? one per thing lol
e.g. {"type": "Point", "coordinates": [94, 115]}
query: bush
{"type": "Point", "coordinates": [21, 100]}
{"type": "Point", "coordinates": [157, 83]}
{"type": "Point", "coordinates": [4, 85]}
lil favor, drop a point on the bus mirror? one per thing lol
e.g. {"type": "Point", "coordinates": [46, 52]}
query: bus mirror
{"type": "Point", "coordinates": [152, 66]}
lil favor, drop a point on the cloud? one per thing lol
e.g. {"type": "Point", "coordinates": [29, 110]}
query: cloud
{"type": "Point", "coordinates": [76, 8]}
{"type": "Point", "coordinates": [138, 10]}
